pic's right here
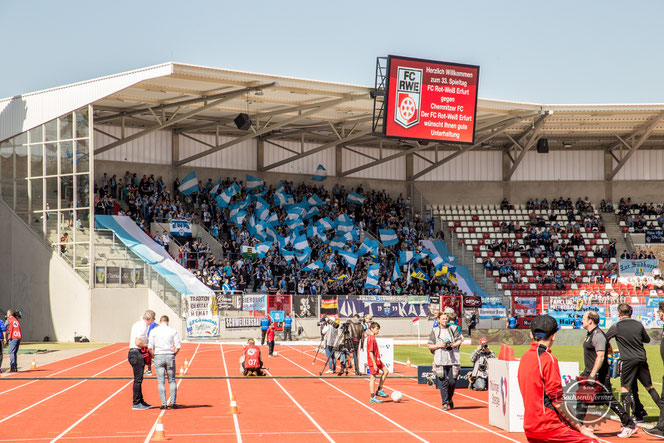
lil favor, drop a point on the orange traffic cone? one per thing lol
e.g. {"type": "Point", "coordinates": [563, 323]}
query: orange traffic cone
{"type": "Point", "coordinates": [34, 364]}
{"type": "Point", "coordinates": [159, 434]}
{"type": "Point", "coordinates": [408, 362]}
{"type": "Point", "coordinates": [233, 409]}
{"type": "Point", "coordinates": [181, 371]}
{"type": "Point", "coordinates": [509, 353]}
{"type": "Point", "coordinates": [186, 364]}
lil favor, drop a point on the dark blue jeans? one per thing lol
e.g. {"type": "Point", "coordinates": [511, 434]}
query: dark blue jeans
{"type": "Point", "coordinates": [13, 352]}
{"type": "Point", "coordinates": [446, 385]}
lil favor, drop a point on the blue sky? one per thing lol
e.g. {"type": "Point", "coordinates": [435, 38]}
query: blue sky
{"type": "Point", "coordinates": [541, 52]}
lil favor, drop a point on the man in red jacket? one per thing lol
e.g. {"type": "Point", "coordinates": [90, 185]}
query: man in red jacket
{"type": "Point", "coordinates": [250, 361]}
{"type": "Point", "coordinates": [542, 391]}
{"type": "Point", "coordinates": [269, 337]}
{"type": "Point", "coordinates": [14, 337]}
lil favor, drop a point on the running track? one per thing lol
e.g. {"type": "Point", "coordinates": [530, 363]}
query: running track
{"type": "Point", "coordinates": [310, 410]}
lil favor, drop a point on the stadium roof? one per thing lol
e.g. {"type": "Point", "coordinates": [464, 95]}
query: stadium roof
{"type": "Point", "coordinates": [194, 99]}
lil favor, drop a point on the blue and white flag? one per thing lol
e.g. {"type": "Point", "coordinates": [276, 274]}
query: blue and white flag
{"type": "Point", "coordinates": [350, 258]}
{"type": "Point", "coordinates": [315, 200]}
{"type": "Point", "coordinates": [303, 256]}
{"type": "Point", "coordinates": [294, 213]}
{"type": "Point", "coordinates": [263, 212]}
{"type": "Point", "coordinates": [239, 218]}
{"type": "Point", "coordinates": [313, 266]}
{"type": "Point", "coordinates": [222, 200]}
{"type": "Point", "coordinates": [215, 188]}
{"type": "Point", "coordinates": [388, 237]}
{"type": "Point", "coordinates": [437, 261]}
{"type": "Point", "coordinates": [406, 257]}
{"type": "Point", "coordinates": [372, 276]}
{"type": "Point", "coordinates": [344, 218]}
{"type": "Point", "coordinates": [396, 274]}
{"type": "Point", "coordinates": [288, 255]}
{"type": "Point", "coordinates": [338, 243]}
{"type": "Point", "coordinates": [368, 246]}
{"type": "Point", "coordinates": [326, 223]}
{"type": "Point", "coordinates": [320, 174]}
{"type": "Point", "coordinates": [280, 188]}
{"type": "Point", "coordinates": [253, 182]}
{"type": "Point", "coordinates": [344, 227]}
{"type": "Point", "coordinates": [189, 184]}
{"type": "Point", "coordinates": [301, 243]}
{"type": "Point", "coordinates": [311, 212]}
{"type": "Point", "coordinates": [354, 197]}
{"type": "Point", "coordinates": [273, 218]}
{"type": "Point", "coordinates": [262, 249]}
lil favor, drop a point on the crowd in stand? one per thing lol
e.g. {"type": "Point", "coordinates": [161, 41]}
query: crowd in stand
{"type": "Point", "coordinates": [639, 215]}
{"type": "Point", "coordinates": [148, 200]}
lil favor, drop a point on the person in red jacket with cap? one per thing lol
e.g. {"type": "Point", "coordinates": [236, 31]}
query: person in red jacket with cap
{"type": "Point", "coordinates": [545, 419]}
{"type": "Point", "coordinates": [269, 337]}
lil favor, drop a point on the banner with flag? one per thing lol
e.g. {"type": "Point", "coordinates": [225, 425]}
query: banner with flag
{"type": "Point", "coordinates": [372, 276]}
{"type": "Point", "coordinates": [354, 197]}
{"type": "Point", "coordinates": [388, 237]}
{"type": "Point", "coordinates": [189, 184]}
{"type": "Point", "coordinates": [419, 274]}
{"type": "Point", "coordinates": [253, 182]}
{"type": "Point", "coordinates": [329, 306]}
{"type": "Point", "coordinates": [320, 174]}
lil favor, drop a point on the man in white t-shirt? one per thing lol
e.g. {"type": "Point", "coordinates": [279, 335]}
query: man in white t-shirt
{"type": "Point", "coordinates": [139, 339]}
{"type": "Point", "coordinates": [164, 345]}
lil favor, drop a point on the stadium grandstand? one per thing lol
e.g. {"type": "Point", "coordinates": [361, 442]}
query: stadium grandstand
{"type": "Point", "coordinates": [168, 184]}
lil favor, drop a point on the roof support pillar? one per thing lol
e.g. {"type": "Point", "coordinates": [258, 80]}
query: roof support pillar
{"type": "Point", "coordinates": [175, 147]}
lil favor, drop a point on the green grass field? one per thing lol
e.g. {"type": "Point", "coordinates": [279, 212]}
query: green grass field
{"type": "Point", "coordinates": [422, 356]}
{"type": "Point", "coordinates": [33, 347]}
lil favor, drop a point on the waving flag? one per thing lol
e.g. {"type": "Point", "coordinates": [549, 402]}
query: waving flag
{"type": "Point", "coordinates": [301, 243]}
{"type": "Point", "coordinates": [294, 213]}
{"type": "Point", "coordinates": [215, 188]}
{"type": "Point", "coordinates": [262, 249]}
{"type": "Point", "coordinates": [340, 278]}
{"type": "Point", "coordinates": [388, 237]}
{"type": "Point", "coordinates": [288, 255]}
{"type": "Point", "coordinates": [273, 218]}
{"type": "Point", "coordinates": [354, 197]}
{"type": "Point", "coordinates": [311, 212]}
{"type": "Point", "coordinates": [372, 276]}
{"type": "Point", "coordinates": [396, 274]}
{"type": "Point", "coordinates": [315, 200]}
{"type": "Point", "coordinates": [350, 258]}
{"type": "Point", "coordinates": [222, 200]}
{"type": "Point", "coordinates": [338, 243]}
{"type": "Point", "coordinates": [345, 227]}
{"type": "Point", "coordinates": [189, 184]}
{"type": "Point", "coordinates": [368, 246]}
{"type": "Point", "coordinates": [313, 266]}
{"type": "Point", "coordinates": [344, 218]}
{"type": "Point", "coordinates": [326, 223]}
{"type": "Point", "coordinates": [320, 174]}
{"type": "Point", "coordinates": [406, 257]}
{"type": "Point", "coordinates": [253, 182]}
{"type": "Point", "coordinates": [419, 274]}
{"type": "Point", "coordinates": [239, 217]}
{"type": "Point", "coordinates": [263, 213]}
{"type": "Point", "coordinates": [303, 256]}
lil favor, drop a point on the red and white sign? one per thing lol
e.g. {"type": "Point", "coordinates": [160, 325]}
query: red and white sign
{"type": "Point", "coordinates": [429, 100]}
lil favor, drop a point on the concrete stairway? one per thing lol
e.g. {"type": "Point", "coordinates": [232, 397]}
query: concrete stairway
{"type": "Point", "coordinates": [613, 230]}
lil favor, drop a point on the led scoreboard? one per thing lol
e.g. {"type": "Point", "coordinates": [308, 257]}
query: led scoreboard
{"type": "Point", "coordinates": [430, 100]}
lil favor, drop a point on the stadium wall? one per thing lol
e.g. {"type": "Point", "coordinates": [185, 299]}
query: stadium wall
{"type": "Point", "coordinates": [55, 301]}
{"type": "Point", "coordinates": [114, 310]}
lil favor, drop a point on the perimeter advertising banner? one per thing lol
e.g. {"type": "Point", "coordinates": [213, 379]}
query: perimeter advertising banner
{"type": "Point", "coordinates": [386, 351]}
{"type": "Point", "coordinates": [430, 100]}
{"type": "Point", "coordinates": [349, 307]}
{"type": "Point", "coordinates": [202, 319]}
{"type": "Point", "coordinates": [637, 268]}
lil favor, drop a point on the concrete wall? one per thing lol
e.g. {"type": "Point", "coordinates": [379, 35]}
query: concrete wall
{"type": "Point", "coordinates": [114, 310]}
{"type": "Point", "coordinates": [55, 301]}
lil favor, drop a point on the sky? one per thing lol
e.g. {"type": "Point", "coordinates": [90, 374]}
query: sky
{"type": "Point", "coordinates": [557, 52]}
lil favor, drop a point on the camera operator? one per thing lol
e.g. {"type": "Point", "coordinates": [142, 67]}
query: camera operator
{"type": "Point", "coordinates": [330, 332]}
{"type": "Point", "coordinates": [444, 342]}
{"type": "Point", "coordinates": [478, 378]}
{"type": "Point", "coordinates": [343, 347]}
{"type": "Point", "coordinates": [356, 332]}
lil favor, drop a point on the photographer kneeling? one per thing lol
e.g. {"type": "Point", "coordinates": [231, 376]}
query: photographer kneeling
{"type": "Point", "coordinates": [478, 378]}
{"type": "Point", "coordinates": [444, 344]}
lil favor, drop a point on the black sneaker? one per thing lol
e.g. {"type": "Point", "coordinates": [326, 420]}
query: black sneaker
{"type": "Point", "coordinates": [140, 407]}
{"type": "Point", "coordinates": [451, 404]}
{"type": "Point", "coordinates": [175, 406]}
{"type": "Point", "coordinates": [654, 432]}
{"type": "Point", "coordinates": [147, 405]}
{"type": "Point", "coordinates": [163, 407]}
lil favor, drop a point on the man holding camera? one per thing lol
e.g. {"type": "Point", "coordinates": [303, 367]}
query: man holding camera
{"type": "Point", "coordinates": [444, 342]}
{"type": "Point", "coordinates": [479, 376]}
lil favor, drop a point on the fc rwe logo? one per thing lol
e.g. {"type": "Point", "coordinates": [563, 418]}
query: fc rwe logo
{"type": "Point", "coordinates": [409, 88]}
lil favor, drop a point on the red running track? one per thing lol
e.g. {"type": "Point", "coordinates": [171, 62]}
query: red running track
{"type": "Point", "coordinates": [319, 409]}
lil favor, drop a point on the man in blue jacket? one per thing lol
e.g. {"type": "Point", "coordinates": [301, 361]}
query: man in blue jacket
{"type": "Point", "coordinates": [265, 324]}
{"type": "Point", "coordinates": [288, 323]}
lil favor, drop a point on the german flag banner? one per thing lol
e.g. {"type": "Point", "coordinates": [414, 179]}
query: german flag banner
{"type": "Point", "coordinates": [329, 306]}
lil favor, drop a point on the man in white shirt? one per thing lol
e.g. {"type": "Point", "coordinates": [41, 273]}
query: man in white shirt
{"type": "Point", "coordinates": [139, 339]}
{"type": "Point", "coordinates": [164, 345]}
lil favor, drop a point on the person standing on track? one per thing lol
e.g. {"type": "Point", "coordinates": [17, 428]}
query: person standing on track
{"type": "Point", "coordinates": [164, 344]}
{"type": "Point", "coordinates": [14, 337]}
{"type": "Point", "coordinates": [595, 356]}
{"type": "Point", "coordinates": [658, 430]}
{"type": "Point", "coordinates": [138, 338]}
{"type": "Point", "coordinates": [270, 340]}
{"type": "Point", "coordinates": [288, 325]}
{"type": "Point", "coordinates": [376, 366]}
{"type": "Point", "coordinates": [265, 324]}
{"type": "Point", "coordinates": [3, 341]}
{"type": "Point", "coordinates": [444, 342]}
{"type": "Point", "coordinates": [542, 391]}
{"type": "Point", "coordinates": [630, 336]}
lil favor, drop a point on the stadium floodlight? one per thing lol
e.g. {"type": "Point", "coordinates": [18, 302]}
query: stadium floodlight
{"type": "Point", "coordinates": [567, 144]}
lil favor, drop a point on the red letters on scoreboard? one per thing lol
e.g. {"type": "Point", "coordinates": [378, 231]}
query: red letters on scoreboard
{"type": "Point", "coordinates": [429, 100]}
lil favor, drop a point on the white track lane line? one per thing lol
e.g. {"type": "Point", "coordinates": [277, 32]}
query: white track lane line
{"type": "Point", "coordinates": [161, 414]}
{"type": "Point", "coordinates": [302, 409]}
{"type": "Point", "coordinates": [357, 401]}
{"type": "Point", "coordinates": [59, 372]}
{"type": "Point", "coordinates": [453, 415]}
{"type": "Point", "coordinates": [238, 434]}
{"type": "Point", "coordinates": [58, 393]}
